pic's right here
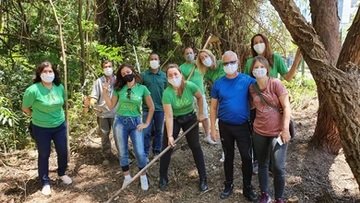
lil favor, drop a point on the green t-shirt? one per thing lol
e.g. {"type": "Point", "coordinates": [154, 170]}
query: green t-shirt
{"type": "Point", "coordinates": [46, 104]}
{"type": "Point", "coordinates": [196, 78]}
{"type": "Point", "coordinates": [278, 67]}
{"type": "Point", "coordinates": [132, 106]}
{"type": "Point", "coordinates": [184, 104]}
{"type": "Point", "coordinates": [213, 74]}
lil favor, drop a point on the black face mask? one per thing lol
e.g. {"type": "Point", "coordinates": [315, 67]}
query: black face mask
{"type": "Point", "coordinates": [129, 77]}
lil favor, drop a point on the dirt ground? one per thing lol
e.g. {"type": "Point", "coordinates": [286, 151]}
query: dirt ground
{"type": "Point", "coordinates": [312, 175]}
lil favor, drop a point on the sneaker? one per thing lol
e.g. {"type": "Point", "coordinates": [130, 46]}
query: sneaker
{"type": "Point", "coordinates": [265, 198]}
{"type": "Point", "coordinates": [222, 157]}
{"type": "Point", "coordinates": [46, 190]}
{"type": "Point", "coordinates": [127, 180]}
{"type": "Point", "coordinates": [209, 140]}
{"type": "Point", "coordinates": [144, 183]}
{"type": "Point", "coordinates": [66, 179]}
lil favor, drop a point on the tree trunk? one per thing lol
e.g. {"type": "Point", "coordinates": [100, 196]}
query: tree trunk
{"type": "Point", "coordinates": [326, 23]}
{"type": "Point", "coordinates": [102, 11]}
{"type": "Point", "coordinates": [82, 46]}
{"type": "Point", "coordinates": [339, 85]}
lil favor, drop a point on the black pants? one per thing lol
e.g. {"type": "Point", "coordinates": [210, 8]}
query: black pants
{"type": "Point", "coordinates": [241, 135]}
{"type": "Point", "coordinates": [192, 139]}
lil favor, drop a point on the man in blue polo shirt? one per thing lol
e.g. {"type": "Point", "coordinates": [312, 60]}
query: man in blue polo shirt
{"type": "Point", "coordinates": [230, 104]}
{"type": "Point", "coordinates": [155, 80]}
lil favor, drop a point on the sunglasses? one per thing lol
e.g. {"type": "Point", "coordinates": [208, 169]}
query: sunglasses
{"type": "Point", "coordinates": [128, 91]}
{"type": "Point", "coordinates": [229, 62]}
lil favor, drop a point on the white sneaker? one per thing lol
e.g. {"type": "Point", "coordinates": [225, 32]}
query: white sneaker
{"type": "Point", "coordinates": [46, 190]}
{"type": "Point", "coordinates": [209, 140]}
{"type": "Point", "coordinates": [126, 181]}
{"type": "Point", "coordinates": [66, 179]}
{"type": "Point", "coordinates": [222, 157]}
{"type": "Point", "coordinates": [144, 182]}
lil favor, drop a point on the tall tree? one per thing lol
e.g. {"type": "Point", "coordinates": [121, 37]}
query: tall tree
{"type": "Point", "coordinates": [325, 20]}
{"type": "Point", "coordinates": [339, 83]}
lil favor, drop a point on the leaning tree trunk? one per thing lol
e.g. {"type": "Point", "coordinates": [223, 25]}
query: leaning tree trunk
{"type": "Point", "coordinates": [326, 23]}
{"type": "Point", "coordinates": [339, 85]}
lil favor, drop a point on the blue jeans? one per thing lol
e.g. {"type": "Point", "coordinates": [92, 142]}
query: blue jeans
{"type": "Point", "coordinates": [43, 137]}
{"type": "Point", "coordinates": [268, 149]}
{"type": "Point", "coordinates": [124, 127]}
{"type": "Point", "coordinates": [157, 123]}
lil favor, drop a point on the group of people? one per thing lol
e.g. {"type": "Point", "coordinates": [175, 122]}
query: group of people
{"type": "Point", "coordinates": [136, 106]}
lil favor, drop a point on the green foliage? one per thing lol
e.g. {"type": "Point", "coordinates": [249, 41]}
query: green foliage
{"type": "Point", "coordinates": [302, 90]}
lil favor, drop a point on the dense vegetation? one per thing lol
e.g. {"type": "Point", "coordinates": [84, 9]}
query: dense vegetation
{"type": "Point", "coordinates": [95, 30]}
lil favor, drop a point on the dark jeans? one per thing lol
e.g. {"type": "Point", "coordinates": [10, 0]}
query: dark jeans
{"type": "Point", "coordinates": [105, 125]}
{"type": "Point", "coordinates": [268, 149]}
{"type": "Point", "coordinates": [157, 124]}
{"type": "Point", "coordinates": [241, 135]}
{"type": "Point", "coordinates": [192, 139]}
{"type": "Point", "coordinates": [43, 137]}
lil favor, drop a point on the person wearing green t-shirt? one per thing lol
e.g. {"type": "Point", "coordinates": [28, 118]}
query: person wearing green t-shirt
{"type": "Point", "coordinates": [178, 99]}
{"type": "Point", "coordinates": [211, 68]}
{"type": "Point", "coordinates": [44, 101]}
{"type": "Point", "coordinates": [192, 73]}
{"type": "Point", "coordinates": [260, 46]}
{"type": "Point", "coordinates": [129, 95]}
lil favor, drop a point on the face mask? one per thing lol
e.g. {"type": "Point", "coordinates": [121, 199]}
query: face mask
{"type": "Point", "coordinates": [47, 77]}
{"type": "Point", "coordinates": [129, 77]}
{"type": "Point", "coordinates": [207, 62]}
{"type": "Point", "coordinates": [259, 48]}
{"type": "Point", "coordinates": [230, 68]}
{"type": "Point", "coordinates": [175, 82]}
{"type": "Point", "coordinates": [190, 57]}
{"type": "Point", "coordinates": [154, 64]}
{"type": "Point", "coordinates": [108, 71]}
{"type": "Point", "coordinates": [259, 72]}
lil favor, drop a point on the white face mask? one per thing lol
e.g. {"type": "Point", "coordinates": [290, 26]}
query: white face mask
{"type": "Point", "coordinates": [176, 81]}
{"type": "Point", "coordinates": [230, 68]}
{"type": "Point", "coordinates": [259, 72]}
{"type": "Point", "coordinates": [190, 57]}
{"type": "Point", "coordinates": [47, 77]}
{"type": "Point", "coordinates": [108, 71]}
{"type": "Point", "coordinates": [154, 64]}
{"type": "Point", "coordinates": [207, 62]}
{"type": "Point", "coordinates": [259, 48]}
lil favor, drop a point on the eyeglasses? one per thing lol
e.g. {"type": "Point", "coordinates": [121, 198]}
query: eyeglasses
{"type": "Point", "coordinates": [128, 91]}
{"type": "Point", "coordinates": [229, 62]}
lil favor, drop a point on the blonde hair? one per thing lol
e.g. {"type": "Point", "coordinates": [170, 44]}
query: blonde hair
{"type": "Point", "coordinates": [199, 63]}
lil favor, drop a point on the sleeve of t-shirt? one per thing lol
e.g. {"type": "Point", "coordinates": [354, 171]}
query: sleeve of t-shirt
{"type": "Point", "coordinates": [279, 88]}
{"type": "Point", "coordinates": [247, 66]}
{"type": "Point", "coordinates": [280, 64]}
{"type": "Point", "coordinates": [166, 97]}
{"type": "Point", "coordinates": [63, 91]}
{"type": "Point", "coordinates": [214, 90]}
{"type": "Point", "coordinates": [146, 91]}
{"type": "Point", "coordinates": [29, 97]}
{"type": "Point", "coordinates": [193, 88]}
{"type": "Point", "coordinates": [95, 90]}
